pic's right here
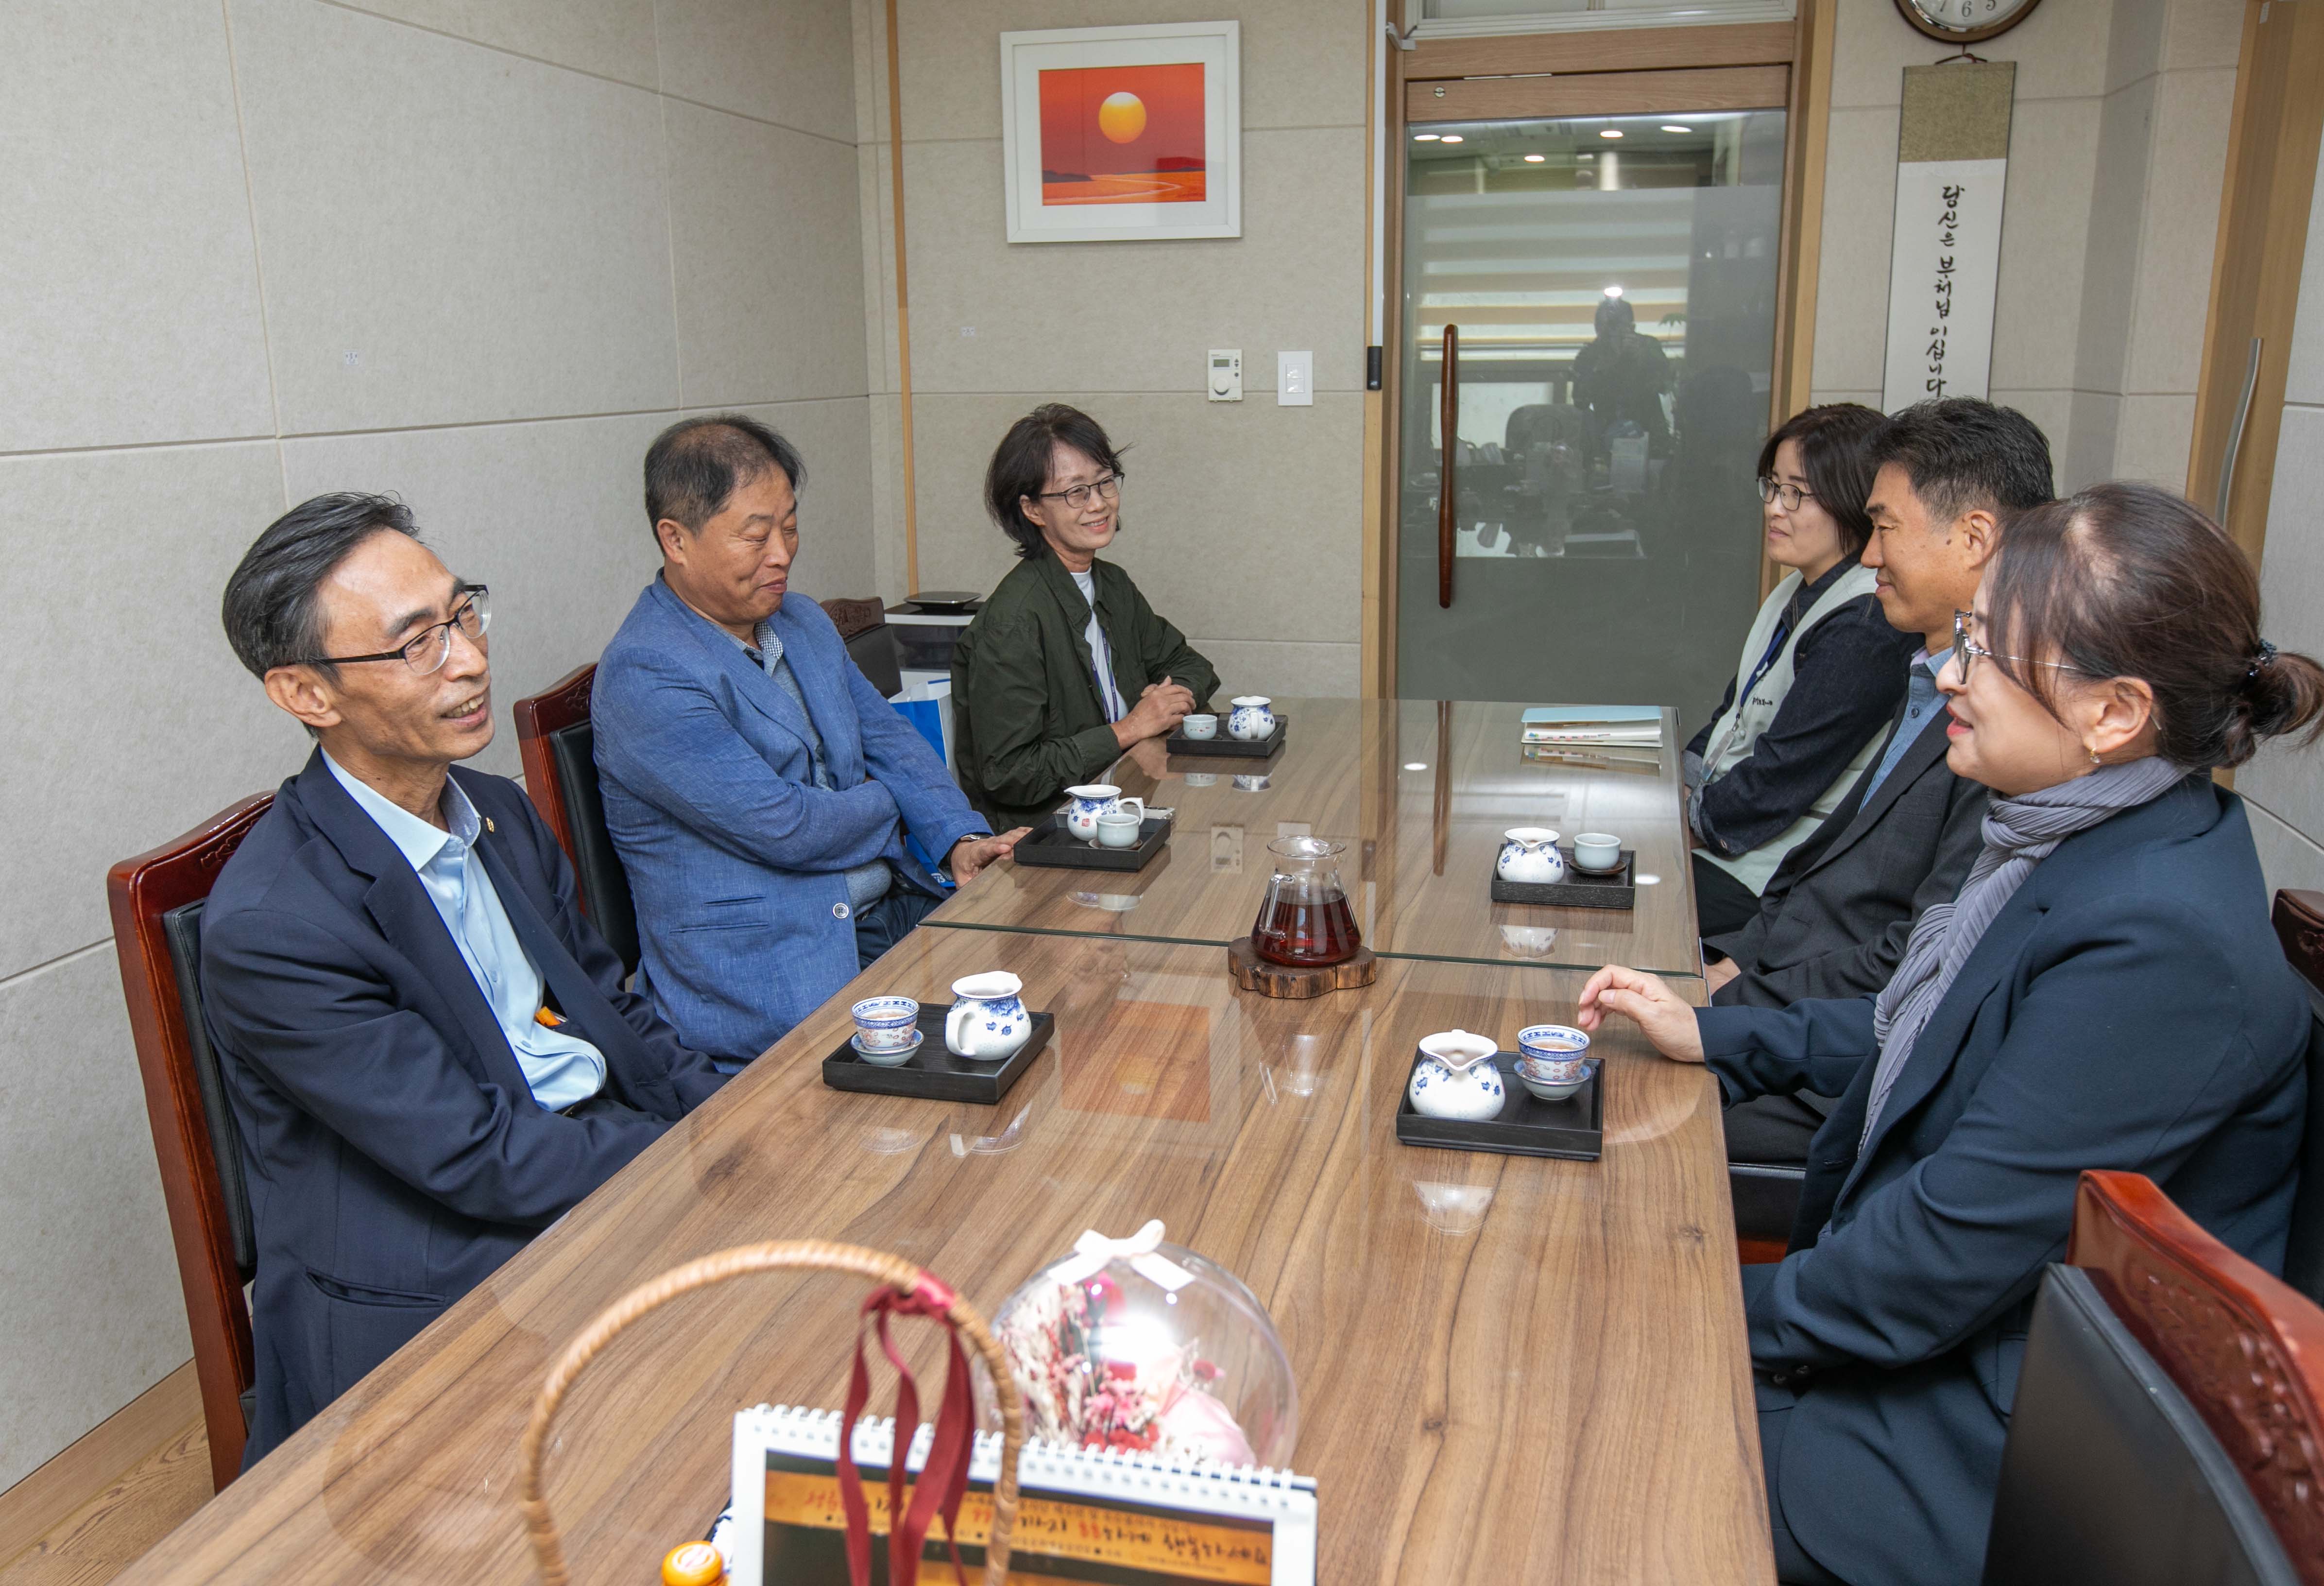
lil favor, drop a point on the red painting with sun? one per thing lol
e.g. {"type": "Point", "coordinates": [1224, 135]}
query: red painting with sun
{"type": "Point", "coordinates": [1123, 134]}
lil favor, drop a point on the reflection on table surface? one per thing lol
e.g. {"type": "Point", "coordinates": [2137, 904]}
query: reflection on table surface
{"type": "Point", "coordinates": [1511, 1369]}
{"type": "Point", "coordinates": [1420, 791]}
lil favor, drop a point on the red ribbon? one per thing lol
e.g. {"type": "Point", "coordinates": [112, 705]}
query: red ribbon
{"type": "Point", "coordinates": [943, 1478]}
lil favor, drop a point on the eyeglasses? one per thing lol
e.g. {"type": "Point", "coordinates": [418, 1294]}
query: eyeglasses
{"type": "Point", "coordinates": [1078, 497]}
{"type": "Point", "coordinates": [1967, 650]}
{"type": "Point", "coordinates": [1791, 495]}
{"type": "Point", "coordinates": [427, 653]}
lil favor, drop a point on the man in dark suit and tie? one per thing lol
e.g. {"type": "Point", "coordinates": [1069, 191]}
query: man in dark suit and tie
{"type": "Point", "coordinates": [426, 1045]}
{"type": "Point", "coordinates": [1837, 913]}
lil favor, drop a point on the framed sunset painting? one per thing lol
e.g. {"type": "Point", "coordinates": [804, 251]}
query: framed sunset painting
{"type": "Point", "coordinates": [1114, 133]}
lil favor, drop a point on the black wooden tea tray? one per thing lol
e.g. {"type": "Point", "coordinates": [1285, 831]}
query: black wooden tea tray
{"type": "Point", "coordinates": [1225, 748]}
{"type": "Point", "coordinates": [1527, 1125]}
{"type": "Point", "coordinates": [1581, 889]}
{"type": "Point", "coordinates": [932, 1072]}
{"type": "Point", "coordinates": [1054, 845]}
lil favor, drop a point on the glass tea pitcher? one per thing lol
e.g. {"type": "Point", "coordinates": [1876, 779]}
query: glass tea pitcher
{"type": "Point", "coordinates": [1304, 918]}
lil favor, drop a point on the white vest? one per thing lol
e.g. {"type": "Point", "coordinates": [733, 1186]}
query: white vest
{"type": "Point", "coordinates": [1737, 731]}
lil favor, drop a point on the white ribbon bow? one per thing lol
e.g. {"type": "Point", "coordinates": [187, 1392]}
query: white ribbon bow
{"type": "Point", "coordinates": [1092, 1250]}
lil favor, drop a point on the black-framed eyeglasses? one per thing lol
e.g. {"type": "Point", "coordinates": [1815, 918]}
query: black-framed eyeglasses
{"type": "Point", "coordinates": [1108, 488]}
{"type": "Point", "coordinates": [1791, 495]}
{"type": "Point", "coordinates": [1967, 650]}
{"type": "Point", "coordinates": [426, 651]}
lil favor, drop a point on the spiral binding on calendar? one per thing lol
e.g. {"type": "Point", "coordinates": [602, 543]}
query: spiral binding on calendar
{"type": "Point", "coordinates": [875, 1443]}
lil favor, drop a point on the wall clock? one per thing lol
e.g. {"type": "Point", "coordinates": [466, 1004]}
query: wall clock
{"type": "Point", "coordinates": [1965, 22]}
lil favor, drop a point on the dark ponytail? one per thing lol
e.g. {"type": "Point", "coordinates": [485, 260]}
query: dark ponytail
{"type": "Point", "coordinates": [2130, 581]}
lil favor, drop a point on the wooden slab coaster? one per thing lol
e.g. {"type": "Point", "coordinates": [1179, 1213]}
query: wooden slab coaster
{"type": "Point", "coordinates": [1254, 973]}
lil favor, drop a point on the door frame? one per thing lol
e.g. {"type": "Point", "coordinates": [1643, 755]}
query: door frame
{"type": "Point", "coordinates": [1698, 60]}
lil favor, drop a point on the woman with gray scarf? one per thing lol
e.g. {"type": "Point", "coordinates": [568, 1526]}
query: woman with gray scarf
{"type": "Point", "coordinates": [2105, 992]}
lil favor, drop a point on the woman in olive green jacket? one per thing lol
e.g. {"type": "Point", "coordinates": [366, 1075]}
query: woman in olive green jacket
{"type": "Point", "coordinates": [1067, 665]}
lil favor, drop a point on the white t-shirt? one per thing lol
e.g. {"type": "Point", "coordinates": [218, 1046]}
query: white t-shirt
{"type": "Point", "coordinates": [1098, 651]}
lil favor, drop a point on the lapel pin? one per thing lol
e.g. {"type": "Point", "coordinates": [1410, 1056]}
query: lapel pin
{"type": "Point", "coordinates": [489, 826]}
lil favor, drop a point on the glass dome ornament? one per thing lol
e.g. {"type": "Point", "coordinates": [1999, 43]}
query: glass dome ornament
{"type": "Point", "coordinates": [1142, 1347]}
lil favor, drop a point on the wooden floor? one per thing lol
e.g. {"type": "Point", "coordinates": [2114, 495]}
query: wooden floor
{"type": "Point", "coordinates": [112, 1530]}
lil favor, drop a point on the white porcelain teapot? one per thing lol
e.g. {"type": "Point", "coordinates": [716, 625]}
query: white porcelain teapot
{"type": "Point", "coordinates": [1530, 856]}
{"type": "Point", "coordinates": [988, 1022]}
{"type": "Point", "coordinates": [1457, 1078]}
{"type": "Point", "coordinates": [1096, 798]}
{"type": "Point", "coordinates": [1253, 720]}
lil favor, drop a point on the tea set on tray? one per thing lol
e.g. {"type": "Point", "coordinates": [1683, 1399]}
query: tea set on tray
{"type": "Point", "coordinates": [1530, 857]}
{"type": "Point", "coordinates": [1456, 1077]}
{"type": "Point", "coordinates": [986, 1024]}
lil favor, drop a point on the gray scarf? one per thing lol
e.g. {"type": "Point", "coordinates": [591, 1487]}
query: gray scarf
{"type": "Point", "coordinates": [2019, 834]}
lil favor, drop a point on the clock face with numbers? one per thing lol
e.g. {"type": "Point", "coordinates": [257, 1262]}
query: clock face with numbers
{"type": "Point", "coordinates": [1965, 22]}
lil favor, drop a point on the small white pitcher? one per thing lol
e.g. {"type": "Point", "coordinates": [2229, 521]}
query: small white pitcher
{"type": "Point", "coordinates": [1093, 801]}
{"type": "Point", "coordinates": [1530, 856]}
{"type": "Point", "coordinates": [1252, 720]}
{"type": "Point", "coordinates": [988, 1022]}
{"type": "Point", "coordinates": [1456, 1077]}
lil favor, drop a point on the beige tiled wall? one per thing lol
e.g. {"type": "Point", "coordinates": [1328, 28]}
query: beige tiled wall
{"type": "Point", "coordinates": [1231, 506]}
{"type": "Point", "coordinates": [2118, 138]}
{"type": "Point", "coordinates": [477, 252]}
{"type": "Point", "coordinates": [2286, 786]}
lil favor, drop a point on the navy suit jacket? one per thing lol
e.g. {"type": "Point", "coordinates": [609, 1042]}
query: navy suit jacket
{"type": "Point", "coordinates": [736, 859]}
{"type": "Point", "coordinates": [395, 1154]}
{"type": "Point", "coordinates": [2127, 1009]}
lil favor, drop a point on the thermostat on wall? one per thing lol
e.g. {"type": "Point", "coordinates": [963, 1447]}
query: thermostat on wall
{"type": "Point", "coordinates": [1225, 374]}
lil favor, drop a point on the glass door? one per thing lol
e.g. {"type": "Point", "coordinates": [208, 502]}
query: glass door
{"type": "Point", "coordinates": [1589, 338]}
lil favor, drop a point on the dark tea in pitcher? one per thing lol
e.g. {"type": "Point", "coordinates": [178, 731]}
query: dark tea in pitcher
{"type": "Point", "coordinates": [1289, 931]}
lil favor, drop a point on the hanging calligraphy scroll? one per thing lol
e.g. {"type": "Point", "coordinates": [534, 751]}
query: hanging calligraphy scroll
{"type": "Point", "coordinates": [1952, 163]}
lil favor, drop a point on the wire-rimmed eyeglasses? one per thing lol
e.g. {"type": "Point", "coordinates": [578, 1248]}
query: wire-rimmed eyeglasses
{"type": "Point", "coordinates": [1967, 650]}
{"type": "Point", "coordinates": [1791, 495]}
{"type": "Point", "coordinates": [1108, 489]}
{"type": "Point", "coordinates": [425, 652]}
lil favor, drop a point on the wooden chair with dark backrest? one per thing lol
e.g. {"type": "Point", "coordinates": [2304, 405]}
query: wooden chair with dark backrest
{"type": "Point", "coordinates": [560, 774]}
{"type": "Point", "coordinates": [863, 624]}
{"type": "Point", "coordinates": [157, 902]}
{"type": "Point", "coordinates": [2169, 1419]}
{"type": "Point", "coordinates": [2300, 926]}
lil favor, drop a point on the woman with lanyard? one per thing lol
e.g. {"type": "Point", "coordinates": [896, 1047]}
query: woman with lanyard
{"type": "Point", "coordinates": [1066, 667]}
{"type": "Point", "coordinates": [2103, 994]}
{"type": "Point", "coordinates": [1821, 674]}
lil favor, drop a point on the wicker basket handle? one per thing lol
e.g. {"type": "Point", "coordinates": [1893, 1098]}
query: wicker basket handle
{"type": "Point", "coordinates": [540, 1528]}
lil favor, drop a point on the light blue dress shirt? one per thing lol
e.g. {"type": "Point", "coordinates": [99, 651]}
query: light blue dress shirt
{"type": "Point", "coordinates": [1921, 701]}
{"type": "Point", "coordinates": [560, 1069]}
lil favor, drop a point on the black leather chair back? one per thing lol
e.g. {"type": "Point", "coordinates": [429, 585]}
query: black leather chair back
{"type": "Point", "coordinates": [2300, 926]}
{"type": "Point", "coordinates": [874, 651]}
{"type": "Point", "coordinates": [604, 884]}
{"type": "Point", "coordinates": [2109, 1474]}
{"type": "Point", "coordinates": [183, 926]}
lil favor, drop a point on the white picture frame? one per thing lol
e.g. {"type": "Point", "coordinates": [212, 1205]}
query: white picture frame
{"type": "Point", "coordinates": [1045, 211]}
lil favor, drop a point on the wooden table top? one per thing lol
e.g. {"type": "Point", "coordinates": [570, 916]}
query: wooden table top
{"type": "Point", "coordinates": [1509, 1368]}
{"type": "Point", "coordinates": [1421, 842]}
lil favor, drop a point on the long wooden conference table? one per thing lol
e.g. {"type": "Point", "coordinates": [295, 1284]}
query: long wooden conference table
{"type": "Point", "coordinates": [1509, 1368]}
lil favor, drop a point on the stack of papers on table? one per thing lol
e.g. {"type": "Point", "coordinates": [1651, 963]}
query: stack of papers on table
{"type": "Point", "coordinates": [1631, 726]}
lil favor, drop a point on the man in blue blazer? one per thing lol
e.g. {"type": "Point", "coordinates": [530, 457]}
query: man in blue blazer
{"type": "Point", "coordinates": [426, 1045]}
{"type": "Point", "coordinates": [758, 789]}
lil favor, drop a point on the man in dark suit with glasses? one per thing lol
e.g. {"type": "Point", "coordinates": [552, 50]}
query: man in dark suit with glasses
{"type": "Point", "coordinates": [427, 1046]}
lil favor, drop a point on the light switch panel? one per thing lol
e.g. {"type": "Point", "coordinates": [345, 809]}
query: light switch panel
{"type": "Point", "coordinates": [1225, 374]}
{"type": "Point", "coordinates": [1295, 380]}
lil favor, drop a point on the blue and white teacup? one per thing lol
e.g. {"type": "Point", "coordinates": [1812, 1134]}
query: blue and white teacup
{"type": "Point", "coordinates": [886, 1024]}
{"type": "Point", "coordinates": [1252, 720]}
{"type": "Point", "coordinates": [1552, 1060]}
{"type": "Point", "coordinates": [1092, 800]}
